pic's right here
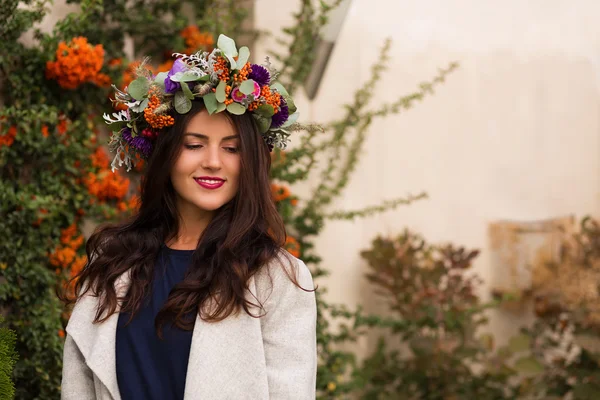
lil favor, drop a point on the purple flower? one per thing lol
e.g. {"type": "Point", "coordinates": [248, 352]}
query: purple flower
{"type": "Point", "coordinates": [259, 74]}
{"type": "Point", "coordinates": [279, 119]}
{"type": "Point", "coordinates": [178, 66]}
{"type": "Point", "coordinates": [139, 143]}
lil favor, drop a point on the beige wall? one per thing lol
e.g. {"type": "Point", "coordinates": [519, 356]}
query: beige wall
{"type": "Point", "coordinates": [513, 134]}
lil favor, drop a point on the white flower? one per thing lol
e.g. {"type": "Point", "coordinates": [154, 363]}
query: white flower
{"type": "Point", "coordinates": [121, 116]}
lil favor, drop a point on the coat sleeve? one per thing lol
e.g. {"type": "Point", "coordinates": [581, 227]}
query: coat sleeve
{"type": "Point", "coordinates": [289, 335]}
{"type": "Point", "coordinates": [77, 378]}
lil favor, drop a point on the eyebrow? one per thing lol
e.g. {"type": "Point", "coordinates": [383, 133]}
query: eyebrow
{"type": "Point", "coordinates": [201, 136]}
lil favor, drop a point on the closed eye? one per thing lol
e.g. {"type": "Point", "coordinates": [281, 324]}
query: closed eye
{"type": "Point", "coordinates": [193, 146]}
{"type": "Point", "coordinates": [231, 149]}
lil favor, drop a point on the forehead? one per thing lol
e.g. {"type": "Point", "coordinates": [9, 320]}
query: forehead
{"type": "Point", "coordinates": [214, 126]}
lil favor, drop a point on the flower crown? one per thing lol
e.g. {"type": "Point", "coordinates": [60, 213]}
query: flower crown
{"type": "Point", "coordinates": [223, 79]}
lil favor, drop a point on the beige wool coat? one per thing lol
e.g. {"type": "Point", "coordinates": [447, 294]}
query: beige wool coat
{"type": "Point", "coordinates": [240, 358]}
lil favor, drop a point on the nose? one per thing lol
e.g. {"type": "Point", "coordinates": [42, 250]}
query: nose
{"type": "Point", "coordinates": [211, 159]}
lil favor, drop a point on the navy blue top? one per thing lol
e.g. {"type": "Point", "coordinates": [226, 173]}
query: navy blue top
{"type": "Point", "coordinates": [149, 368]}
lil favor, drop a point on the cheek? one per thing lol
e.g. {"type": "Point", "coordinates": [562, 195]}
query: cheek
{"type": "Point", "coordinates": [234, 167]}
{"type": "Point", "coordinates": [182, 168]}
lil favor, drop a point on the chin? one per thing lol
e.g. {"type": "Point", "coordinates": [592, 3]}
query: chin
{"type": "Point", "coordinates": [209, 205]}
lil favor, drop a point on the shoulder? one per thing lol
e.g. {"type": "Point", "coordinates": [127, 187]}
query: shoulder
{"type": "Point", "coordinates": [279, 277]}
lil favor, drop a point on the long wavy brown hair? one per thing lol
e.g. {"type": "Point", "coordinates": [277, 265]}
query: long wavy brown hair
{"type": "Point", "coordinates": [243, 235]}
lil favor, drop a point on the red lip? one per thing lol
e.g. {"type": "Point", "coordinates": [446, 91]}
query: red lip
{"type": "Point", "coordinates": [211, 186]}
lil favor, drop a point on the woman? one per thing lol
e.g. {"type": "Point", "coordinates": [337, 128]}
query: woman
{"type": "Point", "coordinates": [194, 298]}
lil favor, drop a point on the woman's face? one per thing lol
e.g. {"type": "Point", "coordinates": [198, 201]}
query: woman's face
{"type": "Point", "coordinates": [206, 174]}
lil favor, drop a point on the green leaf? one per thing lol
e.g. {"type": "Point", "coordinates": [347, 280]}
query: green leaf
{"type": "Point", "coordinates": [186, 90]}
{"type": "Point", "coordinates": [138, 89]}
{"type": "Point", "coordinates": [117, 126]}
{"type": "Point", "coordinates": [210, 102]}
{"type": "Point", "coordinates": [232, 62]}
{"type": "Point", "coordinates": [185, 77]}
{"type": "Point", "coordinates": [265, 110]}
{"type": "Point", "coordinates": [227, 46]}
{"type": "Point", "coordinates": [263, 123]}
{"type": "Point", "coordinates": [182, 103]}
{"type": "Point", "coordinates": [280, 89]}
{"type": "Point", "coordinates": [518, 343]}
{"type": "Point", "coordinates": [221, 107]}
{"type": "Point", "coordinates": [247, 87]}
{"type": "Point", "coordinates": [159, 79]}
{"type": "Point", "coordinates": [528, 365]}
{"type": "Point", "coordinates": [290, 103]}
{"type": "Point", "coordinates": [291, 120]}
{"type": "Point", "coordinates": [236, 108]}
{"type": "Point", "coordinates": [243, 57]}
{"type": "Point", "coordinates": [220, 94]}
{"type": "Point", "coordinates": [140, 107]}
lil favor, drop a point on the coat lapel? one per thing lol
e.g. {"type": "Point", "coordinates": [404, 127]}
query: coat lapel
{"type": "Point", "coordinates": [227, 359]}
{"type": "Point", "coordinates": [97, 341]}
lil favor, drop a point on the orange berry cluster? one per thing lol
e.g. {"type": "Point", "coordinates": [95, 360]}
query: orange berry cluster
{"type": "Point", "coordinates": [253, 106]}
{"type": "Point", "coordinates": [242, 75]}
{"type": "Point", "coordinates": [228, 100]}
{"type": "Point", "coordinates": [62, 125]}
{"type": "Point", "coordinates": [76, 63]}
{"type": "Point", "coordinates": [156, 121]}
{"type": "Point", "coordinates": [66, 256]}
{"type": "Point", "coordinates": [279, 192]}
{"type": "Point", "coordinates": [100, 158]}
{"type": "Point", "coordinates": [272, 98]}
{"type": "Point", "coordinates": [221, 65]}
{"type": "Point", "coordinates": [133, 204]}
{"type": "Point", "coordinates": [8, 138]}
{"type": "Point", "coordinates": [107, 185]}
{"type": "Point", "coordinates": [292, 246]}
{"type": "Point", "coordinates": [102, 80]}
{"type": "Point", "coordinates": [195, 40]}
{"type": "Point", "coordinates": [68, 237]}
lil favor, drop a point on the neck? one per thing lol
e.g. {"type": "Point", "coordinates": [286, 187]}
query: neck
{"type": "Point", "coordinates": [192, 223]}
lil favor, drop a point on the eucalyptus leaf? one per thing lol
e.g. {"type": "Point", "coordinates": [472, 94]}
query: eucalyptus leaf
{"type": "Point", "coordinates": [263, 123]}
{"type": "Point", "coordinates": [290, 103]}
{"type": "Point", "coordinates": [182, 104]}
{"type": "Point", "coordinates": [265, 110]}
{"type": "Point", "coordinates": [187, 91]}
{"type": "Point", "coordinates": [117, 126]}
{"type": "Point", "coordinates": [232, 62]}
{"type": "Point", "coordinates": [291, 120]}
{"type": "Point", "coordinates": [280, 89]}
{"type": "Point", "coordinates": [220, 94]}
{"type": "Point", "coordinates": [138, 89]}
{"type": "Point", "coordinates": [243, 57]}
{"type": "Point", "coordinates": [210, 102]}
{"type": "Point", "coordinates": [141, 106]}
{"type": "Point", "coordinates": [247, 87]}
{"type": "Point", "coordinates": [185, 77]}
{"type": "Point", "coordinates": [236, 108]}
{"type": "Point", "coordinates": [227, 45]}
{"type": "Point", "coordinates": [159, 79]}
{"type": "Point", "coordinates": [221, 107]}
